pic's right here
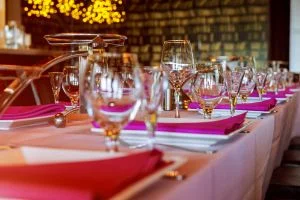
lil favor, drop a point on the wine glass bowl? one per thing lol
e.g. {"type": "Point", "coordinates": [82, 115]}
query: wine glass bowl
{"type": "Point", "coordinates": [70, 84]}
{"type": "Point", "coordinates": [177, 61]}
{"type": "Point", "coordinates": [208, 87]}
{"type": "Point", "coordinates": [113, 92]}
{"type": "Point", "coordinates": [233, 79]}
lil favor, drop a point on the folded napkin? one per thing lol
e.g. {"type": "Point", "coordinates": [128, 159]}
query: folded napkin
{"type": "Point", "coordinates": [265, 105]}
{"type": "Point", "coordinates": [22, 112]}
{"type": "Point", "coordinates": [219, 127]}
{"type": "Point", "coordinates": [281, 94]}
{"type": "Point", "coordinates": [100, 179]}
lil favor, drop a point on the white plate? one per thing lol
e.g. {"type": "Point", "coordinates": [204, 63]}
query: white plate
{"type": "Point", "coordinates": [17, 123]}
{"type": "Point", "coordinates": [250, 114]}
{"type": "Point", "coordinates": [226, 112]}
{"type": "Point", "coordinates": [266, 98]}
{"type": "Point", "coordinates": [39, 155]}
{"type": "Point", "coordinates": [295, 89]}
{"type": "Point", "coordinates": [178, 138]}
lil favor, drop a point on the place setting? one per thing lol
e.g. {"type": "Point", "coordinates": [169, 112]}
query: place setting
{"type": "Point", "coordinates": [22, 116]}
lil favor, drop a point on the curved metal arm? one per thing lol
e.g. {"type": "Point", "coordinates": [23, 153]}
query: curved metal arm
{"type": "Point", "coordinates": [64, 39]}
{"type": "Point", "coordinates": [11, 92]}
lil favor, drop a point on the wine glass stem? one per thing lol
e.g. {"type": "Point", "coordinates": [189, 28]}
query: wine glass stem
{"type": "Point", "coordinates": [112, 140]}
{"type": "Point", "coordinates": [177, 100]}
{"type": "Point", "coordinates": [260, 93]}
{"type": "Point", "coordinates": [56, 96]}
{"type": "Point", "coordinates": [74, 101]}
{"type": "Point", "coordinates": [233, 101]}
{"type": "Point", "coordinates": [207, 113]}
{"type": "Point", "coordinates": [151, 123]}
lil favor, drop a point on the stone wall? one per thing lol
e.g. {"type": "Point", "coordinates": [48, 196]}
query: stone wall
{"type": "Point", "coordinates": [215, 27]}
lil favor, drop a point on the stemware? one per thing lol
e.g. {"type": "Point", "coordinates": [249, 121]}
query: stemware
{"type": "Point", "coordinates": [70, 84]}
{"type": "Point", "coordinates": [56, 79]}
{"type": "Point", "coordinates": [233, 77]}
{"type": "Point", "coordinates": [113, 92]}
{"type": "Point", "coordinates": [283, 78]}
{"type": "Point", "coordinates": [178, 61]}
{"type": "Point", "coordinates": [208, 87]}
{"type": "Point", "coordinates": [290, 78]}
{"type": "Point", "coordinates": [274, 77]}
{"type": "Point", "coordinates": [248, 83]}
{"type": "Point", "coordinates": [260, 80]}
{"type": "Point", "coordinates": [155, 83]}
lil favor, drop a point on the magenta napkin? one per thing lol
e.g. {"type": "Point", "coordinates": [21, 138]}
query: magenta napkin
{"type": "Point", "coordinates": [220, 127]}
{"type": "Point", "coordinates": [265, 105]}
{"type": "Point", "coordinates": [87, 180]}
{"type": "Point", "coordinates": [281, 94]}
{"type": "Point", "coordinates": [22, 112]}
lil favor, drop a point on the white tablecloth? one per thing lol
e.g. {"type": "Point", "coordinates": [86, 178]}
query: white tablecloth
{"type": "Point", "coordinates": [241, 169]}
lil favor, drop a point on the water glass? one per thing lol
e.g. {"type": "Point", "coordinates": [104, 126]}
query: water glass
{"type": "Point", "coordinates": [113, 92]}
{"type": "Point", "coordinates": [70, 84]}
{"type": "Point", "coordinates": [56, 79]}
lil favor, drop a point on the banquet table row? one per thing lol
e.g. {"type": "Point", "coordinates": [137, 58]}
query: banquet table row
{"type": "Point", "coordinates": [240, 169]}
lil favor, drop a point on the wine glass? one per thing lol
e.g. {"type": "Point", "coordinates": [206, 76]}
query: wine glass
{"type": "Point", "coordinates": [248, 83]}
{"type": "Point", "coordinates": [154, 82]}
{"type": "Point", "coordinates": [283, 78]}
{"type": "Point", "coordinates": [178, 62]}
{"type": "Point", "coordinates": [56, 79]}
{"type": "Point", "coordinates": [233, 77]}
{"type": "Point", "coordinates": [208, 87]}
{"type": "Point", "coordinates": [70, 84]}
{"type": "Point", "coordinates": [260, 80]}
{"type": "Point", "coordinates": [290, 78]}
{"type": "Point", "coordinates": [274, 77]}
{"type": "Point", "coordinates": [113, 92]}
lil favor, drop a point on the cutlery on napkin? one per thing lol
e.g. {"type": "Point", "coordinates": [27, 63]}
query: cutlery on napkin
{"type": "Point", "coordinates": [98, 179]}
{"type": "Point", "coordinates": [22, 112]}
{"type": "Point", "coordinates": [219, 127]}
{"type": "Point", "coordinates": [265, 105]}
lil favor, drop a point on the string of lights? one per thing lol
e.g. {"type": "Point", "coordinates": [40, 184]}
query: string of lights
{"type": "Point", "coordinates": [93, 11]}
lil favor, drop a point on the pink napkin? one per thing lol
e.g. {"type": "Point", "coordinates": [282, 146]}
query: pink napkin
{"type": "Point", "coordinates": [281, 94]}
{"type": "Point", "coordinates": [220, 127]}
{"type": "Point", "coordinates": [100, 179]}
{"type": "Point", "coordinates": [22, 112]}
{"type": "Point", "coordinates": [265, 105]}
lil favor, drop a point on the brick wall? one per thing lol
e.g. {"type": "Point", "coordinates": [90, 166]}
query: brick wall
{"type": "Point", "coordinates": [215, 27]}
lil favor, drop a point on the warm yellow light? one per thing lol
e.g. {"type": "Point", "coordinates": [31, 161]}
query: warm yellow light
{"type": "Point", "coordinates": [98, 11]}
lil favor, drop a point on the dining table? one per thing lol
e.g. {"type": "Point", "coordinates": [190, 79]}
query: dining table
{"type": "Point", "coordinates": [240, 167]}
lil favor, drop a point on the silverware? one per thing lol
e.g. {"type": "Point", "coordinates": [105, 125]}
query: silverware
{"type": "Point", "coordinates": [60, 119]}
{"type": "Point", "coordinates": [7, 147]}
{"type": "Point", "coordinates": [144, 145]}
{"type": "Point", "coordinates": [175, 175]}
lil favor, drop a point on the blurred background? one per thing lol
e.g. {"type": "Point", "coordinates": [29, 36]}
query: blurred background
{"type": "Point", "coordinates": [259, 28]}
